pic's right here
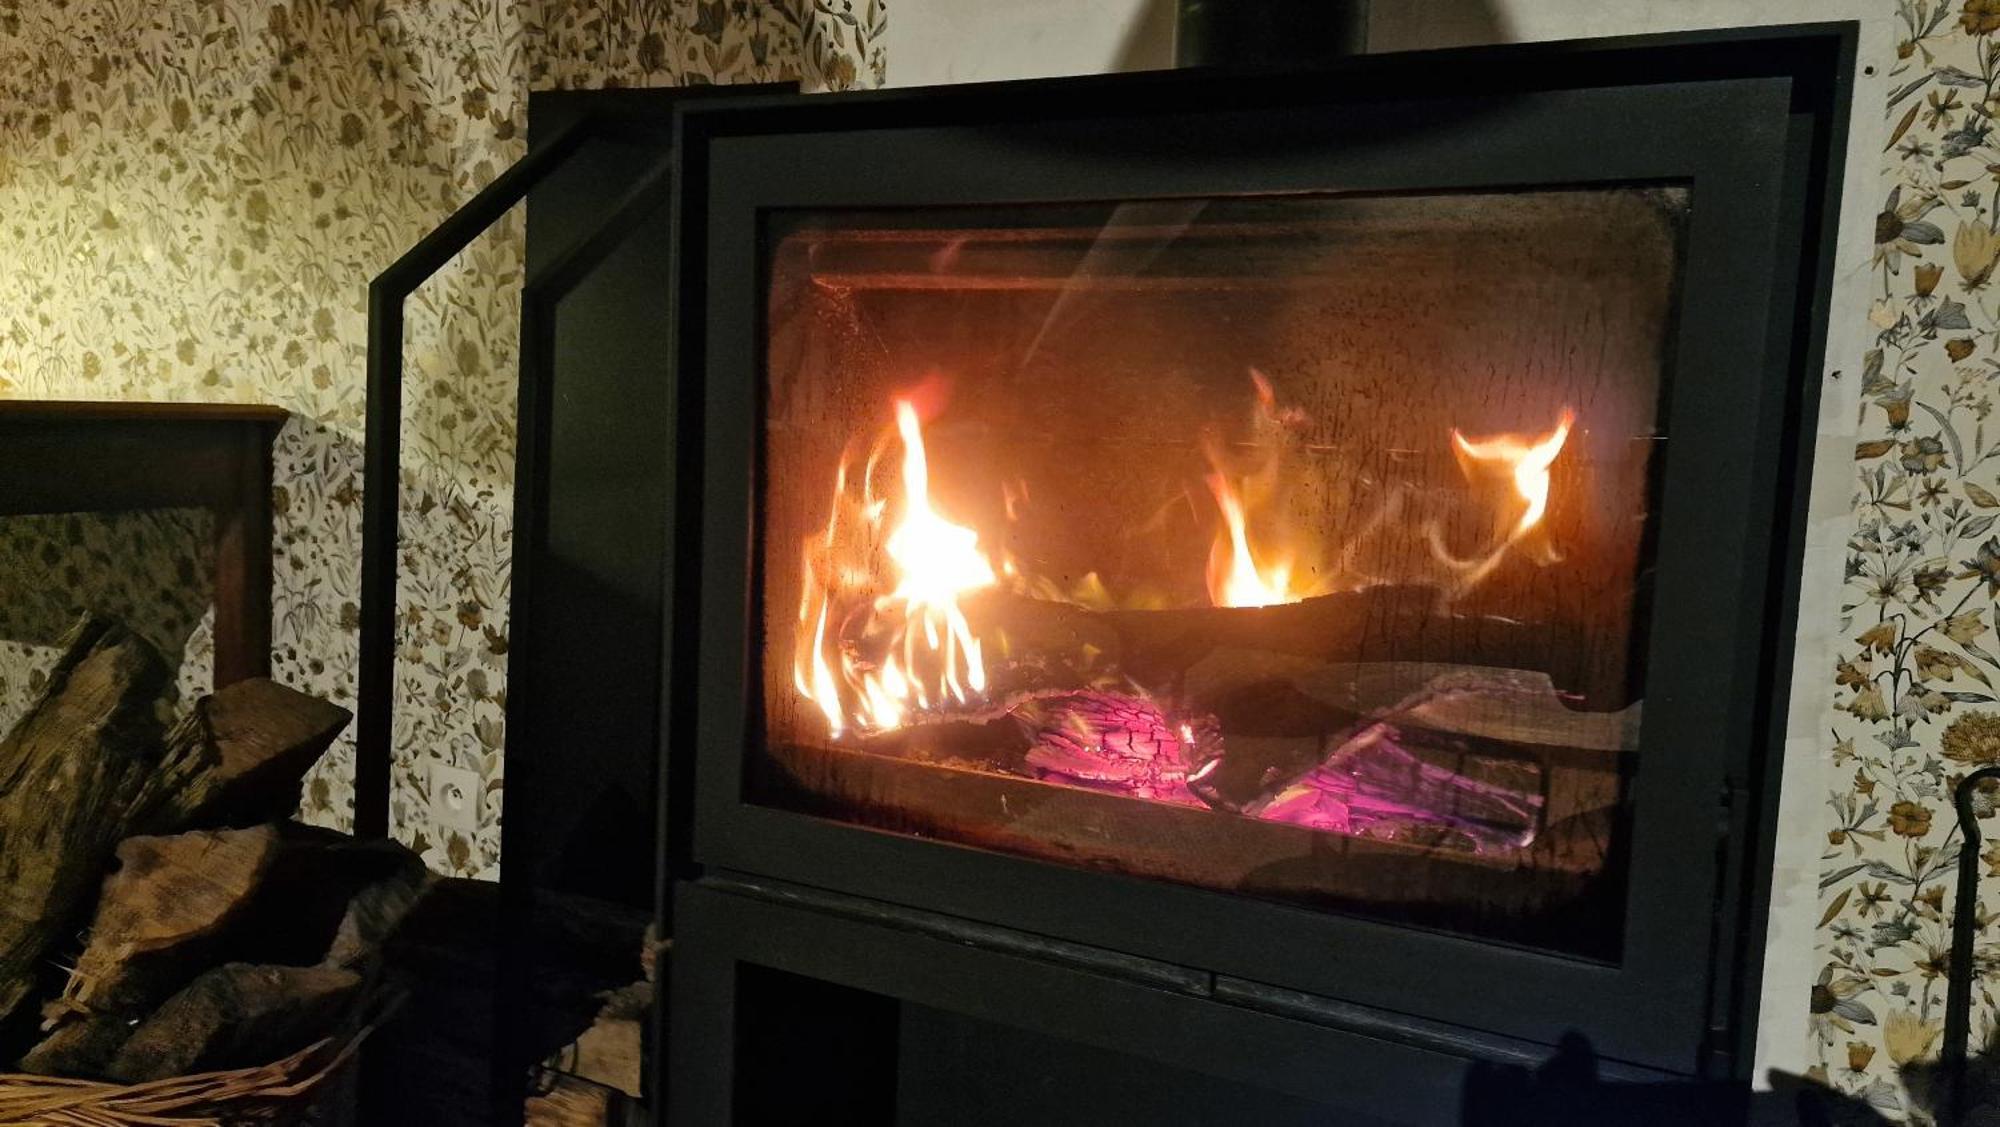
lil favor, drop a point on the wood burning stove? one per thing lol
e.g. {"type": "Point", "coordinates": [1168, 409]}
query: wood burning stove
{"type": "Point", "coordinates": [1331, 538]}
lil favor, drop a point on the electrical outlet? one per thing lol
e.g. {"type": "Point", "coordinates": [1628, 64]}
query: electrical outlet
{"type": "Point", "coordinates": [456, 798]}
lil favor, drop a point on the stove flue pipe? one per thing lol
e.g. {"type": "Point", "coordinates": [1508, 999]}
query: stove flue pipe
{"type": "Point", "coordinates": [1243, 33]}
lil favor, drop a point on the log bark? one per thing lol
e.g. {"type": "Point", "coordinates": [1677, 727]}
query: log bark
{"type": "Point", "coordinates": [236, 1015]}
{"type": "Point", "coordinates": [72, 772]}
{"type": "Point", "coordinates": [374, 914]}
{"type": "Point", "coordinates": [82, 1049]}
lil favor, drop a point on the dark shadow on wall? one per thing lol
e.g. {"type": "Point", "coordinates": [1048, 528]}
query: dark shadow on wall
{"type": "Point", "coordinates": [1256, 32]}
{"type": "Point", "coordinates": [152, 570]}
{"type": "Point", "coordinates": [1417, 25]}
{"type": "Point", "coordinates": [1149, 41]}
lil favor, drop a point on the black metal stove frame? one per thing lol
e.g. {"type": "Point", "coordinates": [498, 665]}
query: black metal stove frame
{"type": "Point", "coordinates": [1752, 122]}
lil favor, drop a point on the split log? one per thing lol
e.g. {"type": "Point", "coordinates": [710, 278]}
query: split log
{"type": "Point", "coordinates": [88, 765]}
{"type": "Point", "coordinates": [236, 1015]}
{"type": "Point", "coordinates": [572, 1102]}
{"type": "Point", "coordinates": [71, 772]}
{"type": "Point", "coordinates": [374, 914]}
{"type": "Point", "coordinates": [164, 916]}
{"type": "Point", "coordinates": [310, 890]}
{"type": "Point", "coordinates": [181, 904]}
{"type": "Point", "coordinates": [612, 1051]}
{"type": "Point", "coordinates": [238, 755]}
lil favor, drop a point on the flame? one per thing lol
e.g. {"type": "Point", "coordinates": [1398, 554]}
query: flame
{"type": "Point", "coordinates": [921, 651]}
{"type": "Point", "coordinates": [1240, 575]}
{"type": "Point", "coordinates": [1234, 577]}
{"type": "Point", "coordinates": [1529, 461]}
{"type": "Point", "coordinates": [823, 691]}
{"type": "Point", "coordinates": [871, 661]}
{"type": "Point", "coordinates": [939, 562]}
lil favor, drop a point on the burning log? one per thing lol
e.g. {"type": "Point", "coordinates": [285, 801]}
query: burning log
{"type": "Point", "coordinates": [1158, 649]}
{"type": "Point", "coordinates": [1372, 786]}
{"type": "Point", "coordinates": [1276, 691]}
{"type": "Point", "coordinates": [1473, 760]}
{"type": "Point", "coordinates": [1110, 741]}
{"type": "Point", "coordinates": [1382, 781]}
{"type": "Point", "coordinates": [1530, 895]}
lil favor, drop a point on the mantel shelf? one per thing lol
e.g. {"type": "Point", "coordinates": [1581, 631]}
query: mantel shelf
{"type": "Point", "coordinates": [105, 410]}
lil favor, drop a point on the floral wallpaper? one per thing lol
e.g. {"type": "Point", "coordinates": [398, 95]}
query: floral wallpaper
{"type": "Point", "coordinates": [1914, 676]}
{"type": "Point", "coordinates": [149, 570]}
{"type": "Point", "coordinates": [193, 198]}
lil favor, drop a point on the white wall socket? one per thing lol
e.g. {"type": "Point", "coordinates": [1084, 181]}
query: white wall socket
{"type": "Point", "coordinates": [457, 798]}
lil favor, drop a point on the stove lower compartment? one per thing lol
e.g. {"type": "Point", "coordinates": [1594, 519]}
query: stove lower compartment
{"type": "Point", "coordinates": [795, 1005]}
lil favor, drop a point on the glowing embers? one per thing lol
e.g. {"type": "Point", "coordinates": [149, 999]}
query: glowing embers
{"type": "Point", "coordinates": [1117, 742]}
{"type": "Point", "coordinates": [912, 648]}
{"type": "Point", "coordinates": [1407, 783]}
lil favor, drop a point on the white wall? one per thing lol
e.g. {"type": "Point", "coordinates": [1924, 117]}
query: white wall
{"type": "Point", "coordinates": [939, 41]}
{"type": "Point", "coordinates": [935, 41]}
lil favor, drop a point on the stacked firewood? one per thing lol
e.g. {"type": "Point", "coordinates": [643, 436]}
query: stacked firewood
{"type": "Point", "coordinates": [160, 914]}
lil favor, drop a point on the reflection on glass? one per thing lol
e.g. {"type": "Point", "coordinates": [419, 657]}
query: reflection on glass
{"type": "Point", "coordinates": [1293, 547]}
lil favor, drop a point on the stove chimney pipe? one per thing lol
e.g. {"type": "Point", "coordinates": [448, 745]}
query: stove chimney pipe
{"type": "Point", "coordinates": [1256, 33]}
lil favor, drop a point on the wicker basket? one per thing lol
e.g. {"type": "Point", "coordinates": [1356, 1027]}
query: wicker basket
{"type": "Point", "coordinates": [304, 1088]}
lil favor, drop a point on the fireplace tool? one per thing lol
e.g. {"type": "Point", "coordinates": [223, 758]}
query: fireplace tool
{"type": "Point", "coordinates": [1958, 982]}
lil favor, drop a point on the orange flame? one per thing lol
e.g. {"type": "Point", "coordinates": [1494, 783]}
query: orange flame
{"type": "Point", "coordinates": [1240, 575]}
{"type": "Point", "coordinates": [1234, 577]}
{"type": "Point", "coordinates": [1529, 461]}
{"type": "Point", "coordinates": [931, 655]}
{"type": "Point", "coordinates": [873, 662]}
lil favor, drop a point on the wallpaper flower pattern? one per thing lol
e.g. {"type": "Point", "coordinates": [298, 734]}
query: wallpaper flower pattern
{"type": "Point", "coordinates": [193, 198]}
{"type": "Point", "coordinates": [149, 570]}
{"type": "Point", "coordinates": [1915, 696]}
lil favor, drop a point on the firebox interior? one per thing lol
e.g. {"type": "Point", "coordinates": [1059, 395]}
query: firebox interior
{"type": "Point", "coordinates": [1289, 546]}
